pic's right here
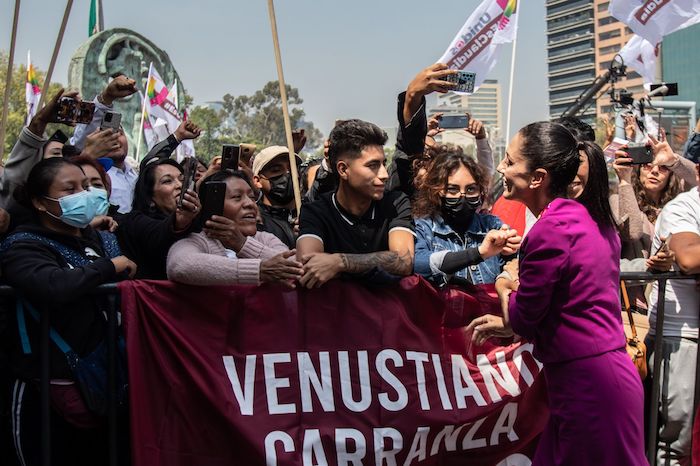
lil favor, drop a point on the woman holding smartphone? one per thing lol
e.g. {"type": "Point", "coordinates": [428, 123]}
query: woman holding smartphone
{"type": "Point", "coordinates": [229, 250]}
{"type": "Point", "coordinates": [567, 303]}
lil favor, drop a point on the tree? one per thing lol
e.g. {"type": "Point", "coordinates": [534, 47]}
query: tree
{"type": "Point", "coordinates": [17, 111]}
{"type": "Point", "coordinates": [258, 118]}
{"type": "Point", "coordinates": [208, 144]}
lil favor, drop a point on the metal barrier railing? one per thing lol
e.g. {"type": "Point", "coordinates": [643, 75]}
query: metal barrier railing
{"type": "Point", "coordinates": [110, 290]}
{"type": "Point", "coordinates": [662, 279]}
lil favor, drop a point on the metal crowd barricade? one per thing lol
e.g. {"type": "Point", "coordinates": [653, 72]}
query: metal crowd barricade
{"type": "Point", "coordinates": [111, 291]}
{"type": "Point", "coordinates": [662, 279]}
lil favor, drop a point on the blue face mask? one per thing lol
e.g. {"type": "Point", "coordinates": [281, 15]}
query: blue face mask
{"type": "Point", "coordinates": [77, 210]}
{"type": "Point", "coordinates": [100, 199]}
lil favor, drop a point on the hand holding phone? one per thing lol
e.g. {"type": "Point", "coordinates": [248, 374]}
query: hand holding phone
{"type": "Point", "coordinates": [230, 154]}
{"type": "Point", "coordinates": [213, 197]}
{"type": "Point", "coordinates": [640, 153]}
{"type": "Point", "coordinates": [71, 110]}
{"type": "Point", "coordinates": [190, 170]}
{"type": "Point", "coordinates": [111, 120]}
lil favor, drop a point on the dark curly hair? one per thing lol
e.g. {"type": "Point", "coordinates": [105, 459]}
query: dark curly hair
{"type": "Point", "coordinates": [650, 208]}
{"type": "Point", "coordinates": [444, 161]}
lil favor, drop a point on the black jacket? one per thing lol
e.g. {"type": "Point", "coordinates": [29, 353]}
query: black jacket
{"type": "Point", "coordinates": [410, 143]}
{"type": "Point", "coordinates": [279, 222]}
{"type": "Point", "coordinates": [146, 239]}
{"type": "Point", "coordinates": [43, 277]}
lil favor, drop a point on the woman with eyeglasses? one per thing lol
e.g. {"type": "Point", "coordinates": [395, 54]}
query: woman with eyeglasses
{"type": "Point", "coordinates": [454, 241]}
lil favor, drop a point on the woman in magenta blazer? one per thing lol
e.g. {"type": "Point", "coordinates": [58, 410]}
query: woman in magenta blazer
{"type": "Point", "coordinates": [567, 304]}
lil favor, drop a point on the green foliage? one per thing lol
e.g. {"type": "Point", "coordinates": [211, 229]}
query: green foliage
{"type": "Point", "coordinates": [208, 144]}
{"type": "Point", "coordinates": [17, 110]}
{"type": "Point", "coordinates": [258, 118]}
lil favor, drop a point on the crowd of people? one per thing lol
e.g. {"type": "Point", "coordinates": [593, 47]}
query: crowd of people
{"type": "Point", "coordinates": [78, 213]}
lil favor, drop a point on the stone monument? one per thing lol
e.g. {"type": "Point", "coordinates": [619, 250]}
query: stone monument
{"type": "Point", "coordinates": [121, 51]}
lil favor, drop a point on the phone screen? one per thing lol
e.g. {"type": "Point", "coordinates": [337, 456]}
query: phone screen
{"type": "Point", "coordinates": [229, 157]}
{"type": "Point", "coordinates": [213, 197]}
{"type": "Point", "coordinates": [454, 121]}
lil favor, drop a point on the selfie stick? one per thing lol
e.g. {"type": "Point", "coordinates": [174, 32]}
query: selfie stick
{"type": "Point", "coordinates": [285, 108]}
{"type": "Point", "coordinates": [8, 79]}
{"type": "Point", "coordinates": [56, 48]}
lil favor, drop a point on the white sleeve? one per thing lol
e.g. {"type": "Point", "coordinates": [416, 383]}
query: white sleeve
{"type": "Point", "coordinates": [484, 155]}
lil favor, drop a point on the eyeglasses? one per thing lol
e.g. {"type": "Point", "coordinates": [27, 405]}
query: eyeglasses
{"type": "Point", "coordinates": [650, 166]}
{"type": "Point", "coordinates": [472, 191]}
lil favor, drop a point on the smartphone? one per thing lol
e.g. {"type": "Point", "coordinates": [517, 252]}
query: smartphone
{"type": "Point", "coordinates": [640, 153]}
{"type": "Point", "coordinates": [84, 112]}
{"type": "Point", "coordinates": [66, 110]}
{"type": "Point", "coordinates": [454, 121]}
{"type": "Point", "coordinates": [230, 154]}
{"type": "Point", "coordinates": [111, 120]}
{"type": "Point", "coordinates": [664, 245]}
{"type": "Point", "coordinates": [463, 79]}
{"type": "Point", "coordinates": [245, 153]}
{"type": "Point", "coordinates": [190, 170]}
{"type": "Point", "coordinates": [213, 195]}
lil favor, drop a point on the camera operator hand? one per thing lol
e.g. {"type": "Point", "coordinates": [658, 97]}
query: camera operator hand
{"type": "Point", "coordinates": [427, 81]}
{"type": "Point", "coordinates": [476, 128]}
{"type": "Point", "coordinates": [623, 167]}
{"type": "Point", "coordinates": [101, 143]}
{"type": "Point", "coordinates": [188, 211]}
{"type": "Point", "coordinates": [47, 114]}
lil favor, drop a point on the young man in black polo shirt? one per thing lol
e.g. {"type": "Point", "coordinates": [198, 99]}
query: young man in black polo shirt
{"type": "Point", "coordinates": [272, 176]}
{"type": "Point", "coordinates": [359, 229]}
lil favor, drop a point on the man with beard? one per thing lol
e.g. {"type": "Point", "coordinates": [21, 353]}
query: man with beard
{"type": "Point", "coordinates": [272, 176]}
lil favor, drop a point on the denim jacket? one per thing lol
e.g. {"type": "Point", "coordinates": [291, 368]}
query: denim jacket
{"type": "Point", "coordinates": [434, 239]}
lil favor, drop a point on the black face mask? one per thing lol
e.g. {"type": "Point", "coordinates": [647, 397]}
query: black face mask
{"type": "Point", "coordinates": [460, 210]}
{"type": "Point", "coordinates": [281, 189]}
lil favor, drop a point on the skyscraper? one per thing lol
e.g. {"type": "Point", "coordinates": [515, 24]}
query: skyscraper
{"type": "Point", "coordinates": [570, 53]}
{"type": "Point", "coordinates": [680, 63]}
{"type": "Point", "coordinates": [483, 105]}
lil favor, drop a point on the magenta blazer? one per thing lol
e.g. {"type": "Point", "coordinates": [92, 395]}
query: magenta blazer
{"type": "Point", "coordinates": [568, 301]}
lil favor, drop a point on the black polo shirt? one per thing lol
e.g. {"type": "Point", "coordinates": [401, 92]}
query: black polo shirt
{"type": "Point", "coordinates": [341, 231]}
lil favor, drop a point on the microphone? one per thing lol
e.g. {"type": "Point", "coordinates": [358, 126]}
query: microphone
{"type": "Point", "coordinates": [661, 90]}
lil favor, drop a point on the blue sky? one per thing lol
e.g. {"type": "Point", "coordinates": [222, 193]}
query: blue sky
{"type": "Point", "coordinates": [348, 59]}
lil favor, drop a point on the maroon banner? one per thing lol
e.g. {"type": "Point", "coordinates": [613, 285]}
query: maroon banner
{"type": "Point", "coordinates": [342, 375]}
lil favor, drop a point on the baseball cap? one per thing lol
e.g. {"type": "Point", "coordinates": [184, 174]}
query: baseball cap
{"type": "Point", "coordinates": [266, 156]}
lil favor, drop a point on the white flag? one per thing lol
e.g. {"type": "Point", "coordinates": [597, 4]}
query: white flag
{"type": "Point", "coordinates": [475, 48]}
{"type": "Point", "coordinates": [640, 55]}
{"type": "Point", "coordinates": [653, 19]}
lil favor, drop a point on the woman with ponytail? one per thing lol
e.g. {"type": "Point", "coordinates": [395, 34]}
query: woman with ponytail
{"type": "Point", "coordinates": [566, 302]}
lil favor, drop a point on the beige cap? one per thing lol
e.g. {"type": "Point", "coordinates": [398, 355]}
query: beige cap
{"type": "Point", "coordinates": [266, 156]}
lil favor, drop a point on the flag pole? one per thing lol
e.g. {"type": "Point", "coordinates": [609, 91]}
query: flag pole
{"type": "Point", "coordinates": [143, 110]}
{"type": "Point", "coordinates": [8, 80]}
{"type": "Point", "coordinates": [510, 86]}
{"type": "Point", "coordinates": [285, 108]}
{"type": "Point", "coordinates": [57, 47]}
